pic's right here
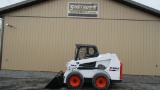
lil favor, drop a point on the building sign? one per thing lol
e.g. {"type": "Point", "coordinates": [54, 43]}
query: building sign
{"type": "Point", "coordinates": [78, 9]}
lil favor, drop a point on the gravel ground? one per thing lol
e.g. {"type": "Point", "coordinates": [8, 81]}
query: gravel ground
{"type": "Point", "coordinates": [20, 80]}
{"type": "Point", "coordinates": [26, 74]}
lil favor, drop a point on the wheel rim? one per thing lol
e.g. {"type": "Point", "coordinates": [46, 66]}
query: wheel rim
{"type": "Point", "coordinates": [101, 82]}
{"type": "Point", "coordinates": [74, 80]}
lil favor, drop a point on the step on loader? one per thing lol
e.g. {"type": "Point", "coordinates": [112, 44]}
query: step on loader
{"type": "Point", "coordinates": [89, 68]}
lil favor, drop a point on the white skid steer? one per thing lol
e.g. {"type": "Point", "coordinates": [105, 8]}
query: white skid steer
{"type": "Point", "coordinates": [89, 67]}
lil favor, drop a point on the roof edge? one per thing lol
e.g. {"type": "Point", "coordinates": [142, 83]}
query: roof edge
{"type": "Point", "coordinates": [140, 6]}
{"type": "Point", "coordinates": [19, 5]}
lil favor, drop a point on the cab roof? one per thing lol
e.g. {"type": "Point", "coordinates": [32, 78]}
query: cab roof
{"type": "Point", "coordinates": [85, 45]}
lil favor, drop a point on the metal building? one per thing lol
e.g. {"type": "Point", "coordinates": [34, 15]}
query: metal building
{"type": "Point", "coordinates": [40, 35]}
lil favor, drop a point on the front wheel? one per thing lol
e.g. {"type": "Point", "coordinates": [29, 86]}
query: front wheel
{"type": "Point", "coordinates": [100, 81]}
{"type": "Point", "coordinates": [75, 80]}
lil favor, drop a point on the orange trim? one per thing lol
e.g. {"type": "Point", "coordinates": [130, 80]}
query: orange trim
{"type": "Point", "coordinates": [101, 82]}
{"type": "Point", "coordinates": [121, 69]}
{"type": "Point", "coordinates": [74, 80]}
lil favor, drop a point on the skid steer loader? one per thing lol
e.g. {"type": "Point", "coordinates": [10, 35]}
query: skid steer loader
{"type": "Point", "coordinates": [89, 67]}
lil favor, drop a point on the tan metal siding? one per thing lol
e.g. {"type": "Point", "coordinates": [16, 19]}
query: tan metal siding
{"type": "Point", "coordinates": [46, 44]}
{"type": "Point", "coordinates": [51, 45]}
{"type": "Point", "coordinates": [158, 60]}
{"type": "Point", "coordinates": [108, 9]}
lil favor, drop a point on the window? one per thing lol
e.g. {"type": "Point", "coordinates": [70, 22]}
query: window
{"type": "Point", "coordinates": [86, 52]}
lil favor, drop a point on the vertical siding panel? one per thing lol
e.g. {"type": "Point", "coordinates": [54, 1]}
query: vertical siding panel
{"type": "Point", "coordinates": [33, 36]}
{"type": "Point", "coordinates": [146, 45]}
{"type": "Point", "coordinates": [101, 10]}
{"type": "Point", "coordinates": [25, 46]}
{"type": "Point", "coordinates": [10, 40]}
{"type": "Point", "coordinates": [144, 53]}
{"type": "Point", "coordinates": [150, 48]}
{"type": "Point", "coordinates": [99, 34]}
{"type": "Point", "coordinates": [157, 61]}
{"type": "Point", "coordinates": [9, 30]}
{"type": "Point", "coordinates": [59, 45]}
{"type": "Point", "coordinates": [135, 48]}
{"type": "Point", "coordinates": [140, 39]}
{"type": "Point", "coordinates": [140, 45]}
{"type": "Point", "coordinates": [22, 43]}
{"type": "Point", "coordinates": [155, 46]}
{"type": "Point", "coordinates": [158, 50]}
{"type": "Point", "coordinates": [127, 60]}
{"type": "Point", "coordinates": [130, 46]}
{"type": "Point", "coordinates": [50, 45]}
{"type": "Point", "coordinates": [105, 42]}
{"type": "Point", "coordinates": [14, 40]}
{"type": "Point", "coordinates": [153, 30]}
{"type": "Point", "coordinates": [53, 42]}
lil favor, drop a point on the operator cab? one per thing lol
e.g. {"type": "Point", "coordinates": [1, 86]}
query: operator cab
{"type": "Point", "coordinates": [85, 51]}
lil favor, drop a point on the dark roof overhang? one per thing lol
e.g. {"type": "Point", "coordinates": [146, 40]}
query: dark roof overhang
{"type": "Point", "coordinates": [141, 7]}
{"type": "Point", "coordinates": [19, 6]}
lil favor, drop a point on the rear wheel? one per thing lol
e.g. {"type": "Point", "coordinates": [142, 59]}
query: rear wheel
{"type": "Point", "coordinates": [100, 81]}
{"type": "Point", "coordinates": [75, 80]}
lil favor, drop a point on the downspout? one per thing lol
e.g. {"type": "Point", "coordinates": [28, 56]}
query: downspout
{"type": "Point", "coordinates": [1, 41]}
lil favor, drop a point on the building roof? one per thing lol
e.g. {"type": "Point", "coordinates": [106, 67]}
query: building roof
{"type": "Point", "coordinates": [19, 5]}
{"type": "Point", "coordinates": [141, 7]}
{"type": "Point", "coordinates": [126, 2]}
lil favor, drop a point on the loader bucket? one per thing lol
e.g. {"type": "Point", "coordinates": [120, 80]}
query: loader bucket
{"type": "Point", "coordinates": [56, 82]}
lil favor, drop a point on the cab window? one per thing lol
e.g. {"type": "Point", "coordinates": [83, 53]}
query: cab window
{"type": "Point", "coordinates": [82, 53]}
{"type": "Point", "coordinates": [91, 51]}
{"type": "Point", "coordinates": [86, 52]}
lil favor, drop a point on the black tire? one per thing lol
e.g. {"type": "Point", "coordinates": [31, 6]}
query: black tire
{"type": "Point", "coordinates": [74, 80]}
{"type": "Point", "coordinates": [101, 81]}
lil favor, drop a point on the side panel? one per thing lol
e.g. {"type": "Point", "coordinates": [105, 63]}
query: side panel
{"type": "Point", "coordinates": [113, 69]}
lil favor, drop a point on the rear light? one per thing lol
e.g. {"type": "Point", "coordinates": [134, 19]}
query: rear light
{"type": "Point", "coordinates": [121, 70]}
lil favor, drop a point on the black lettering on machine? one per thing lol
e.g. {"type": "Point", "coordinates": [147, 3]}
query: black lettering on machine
{"type": "Point", "coordinates": [114, 69]}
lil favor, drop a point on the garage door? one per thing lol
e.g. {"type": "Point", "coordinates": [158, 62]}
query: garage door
{"type": "Point", "coordinates": [46, 44]}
